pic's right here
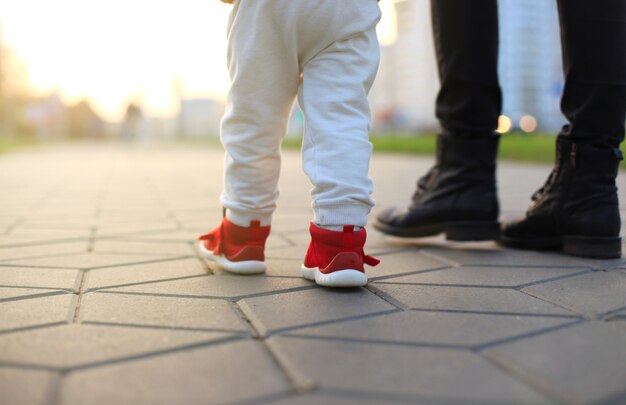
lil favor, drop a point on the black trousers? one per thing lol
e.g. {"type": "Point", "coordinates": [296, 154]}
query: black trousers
{"type": "Point", "coordinates": [593, 38]}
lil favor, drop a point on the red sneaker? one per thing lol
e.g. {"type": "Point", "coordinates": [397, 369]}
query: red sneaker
{"type": "Point", "coordinates": [238, 249]}
{"type": "Point", "coordinates": [335, 259]}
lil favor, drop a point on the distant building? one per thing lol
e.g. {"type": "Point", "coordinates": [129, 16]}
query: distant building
{"type": "Point", "coordinates": [530, 67]}
{"type": "Point", "coordinates": [403, 96]}
{"type": "Point", "coordinates": [200, 117]}
{"type": "Point", "coordinates": [404, 93]}
{"type": "Point", "coordinates": [48, 117]}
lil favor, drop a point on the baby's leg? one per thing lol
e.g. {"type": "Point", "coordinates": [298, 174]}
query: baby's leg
{"type": "Point", "coordinates": [333, 95]}
{"type": "Point", "coordinates": [264, 71]}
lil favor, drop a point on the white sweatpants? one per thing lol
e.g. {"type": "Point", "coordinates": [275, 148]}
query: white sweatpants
{"type": "Point", "coordinates": [325, 52]}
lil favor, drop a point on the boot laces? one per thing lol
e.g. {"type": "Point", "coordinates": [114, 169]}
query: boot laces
{"type": "Point", "coordinates": [423, 183]}
{"type": "Point", "coordinates": [546, 186]}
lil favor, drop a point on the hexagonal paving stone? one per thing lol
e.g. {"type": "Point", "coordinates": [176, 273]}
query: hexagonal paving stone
{"type": "Point", "coordinates": [167, 236]}
{"type": "Point", "coordinates": [13, 293]}
{"type": "Point", "coordinates": [64, 279]}
{"type": "Point", "coordinates": [36, 311]}
{"type": "Point", "coordinates": [345, 397]}
{"type": "Point", "coordinates": [280, 267]}
{"type": "Point", "coordinates": [147, 310]}
{"type": "Point", "coordinates": [219, 286]}
{"type": "Point", "coordinates": [141, 273]}
{"type": "Point", "coordinates": [25, 387]}
{"type": "Point", "coordinates": [226, 373]}
{"type": "Point", "coordinates": [594, 293]}
{"type": "Point", "coordinates": [286, 252]}
{"type": "Point", "coordinates": [145, 248]}
{"type": "Point", "coordinates": [137, 229]}
{"type": "Point", "coordinates": [499, 276]}
{"type": "Point", "coordinates": [69, 346]}
{"type": "Point", "coordinates": [447, 376]}
{"type": "Point", "coordinates": [43, 250]}
{"type": "Point", "coordinates": [436, 329]}
{"type": "Point", "coordinates": [496, 300]}
{"type": "Point", "coordinates": [584, 363]}
{"type": "Point", "coordinates": [51, 234]}
{"type": "Point", "coordinates": [401, 262]}
{"type": "Point", "coordinates": [87, 260]}
{"type": "Point", "coordinates": [13, 241]}
{"type": "Point", "coordinates": [479, 255]}
{"type": "Point", "coordinates": [272, 313]}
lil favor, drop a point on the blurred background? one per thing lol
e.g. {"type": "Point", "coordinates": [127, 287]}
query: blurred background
{"type": "Point", "coordinates": [143, 71]}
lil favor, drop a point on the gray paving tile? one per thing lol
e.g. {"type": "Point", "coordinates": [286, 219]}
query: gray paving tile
{"type": "Point", "coordinates": [12, 293]}
{"type": "Point", "coordinates": [340, 397]}
{"type": "Point", "coordinates": [220, 374]}
{"type": "Point", "coordinates": [286, 252]}
{"type": "Point", "coordinates": [436, 329]}
{"type": "Point", "coordinates": [36, 311]}
{"type": "Point", "coordinates": [283, 267]}
{"type": "Point", "coordinates": [40, 278]}
{"type": "Point", "coordinates": [219, 286]}
{"type": "Point", "coordinates": [291, 310]}
{"type": "Point", "coordinates": [87, 260]}
{"type": "Point", "coordinates": [579, 364]}
{"type": "Point", "coordinates": [144, 248]}
{"type": "Point", "coordinates": [594, 293]}
{"type": "Point", "coordinates": [468, 299]}
{"type": "Point", "coordinates": [141, 273]}
{"type": "Point", "coordinates": [50, 234]}
{"type": "Point", "coordinates": [416, 373]}
{"type": "Point", "coordinates": [74, 345]}
{"type": "Point", "coordinates": [170, 312]}
{"type": "Point", "coordinates": [499, 276]}
{"type": "Point", "coordinates": [167, 236]}
{"type": "Point", "coordinates": [611, 264]}
{"type": "Point", "coordinates": [22, 240]}
{"type": "Point", "coordinates": [403, 262]}
{"type": "Point", "coordinates": [136, 228]}
{"type": "Point", "coordinates": [46, 249]}
{"type": "Point", "coordinates": [25, 387]}
{"type": "Point", "coordinates": [478, 254]}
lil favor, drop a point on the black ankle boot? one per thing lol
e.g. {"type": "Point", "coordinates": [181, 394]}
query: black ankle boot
{"type": "Point", "coordinates": [577, 209]}
{"type": "Point", "coordinates": [457, 196]}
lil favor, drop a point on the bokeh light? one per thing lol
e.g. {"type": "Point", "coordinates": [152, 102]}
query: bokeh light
{"type": "Point", "coordinates": [504, 124]}
{"type": "Point", "coordinates": [528, 123]}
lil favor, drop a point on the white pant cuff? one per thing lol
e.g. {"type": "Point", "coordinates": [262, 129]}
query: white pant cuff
{"type": "Point", "coordinates": [242, 218]}
{"type": "Point", "coordinates": [344, 214]}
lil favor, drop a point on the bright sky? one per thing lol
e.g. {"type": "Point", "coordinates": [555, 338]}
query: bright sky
{"type": "Point", "coordinates": [116, 51]}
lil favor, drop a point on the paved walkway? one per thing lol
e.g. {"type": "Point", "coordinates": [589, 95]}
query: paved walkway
{"type": "Point", "coordinates": [104, 300]}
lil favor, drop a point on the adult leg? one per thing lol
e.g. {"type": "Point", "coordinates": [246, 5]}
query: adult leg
{"type": "Point", "coordinates": [577, 209]}
{"type": "Point", "coordinates": [458, 195]}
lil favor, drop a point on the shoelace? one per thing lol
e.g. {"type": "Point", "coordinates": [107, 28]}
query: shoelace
{"type": "Point", "coordinates": [546, 186]}
{"type": "Point", "coordinates": [424, 182]}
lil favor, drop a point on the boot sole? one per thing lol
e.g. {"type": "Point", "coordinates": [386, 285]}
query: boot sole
{"type": "Point", "coordinates": [454, 231]}
{"type": "Point", "coordinates": [581, 246]}
{"type": "Point", "coordinates": [593, 248]}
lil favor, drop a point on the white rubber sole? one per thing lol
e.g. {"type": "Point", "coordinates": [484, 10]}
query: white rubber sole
{"type": "Point", "coordinates": [341, 278]}
{"type": "Point", "coordinates": [244, 267]}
